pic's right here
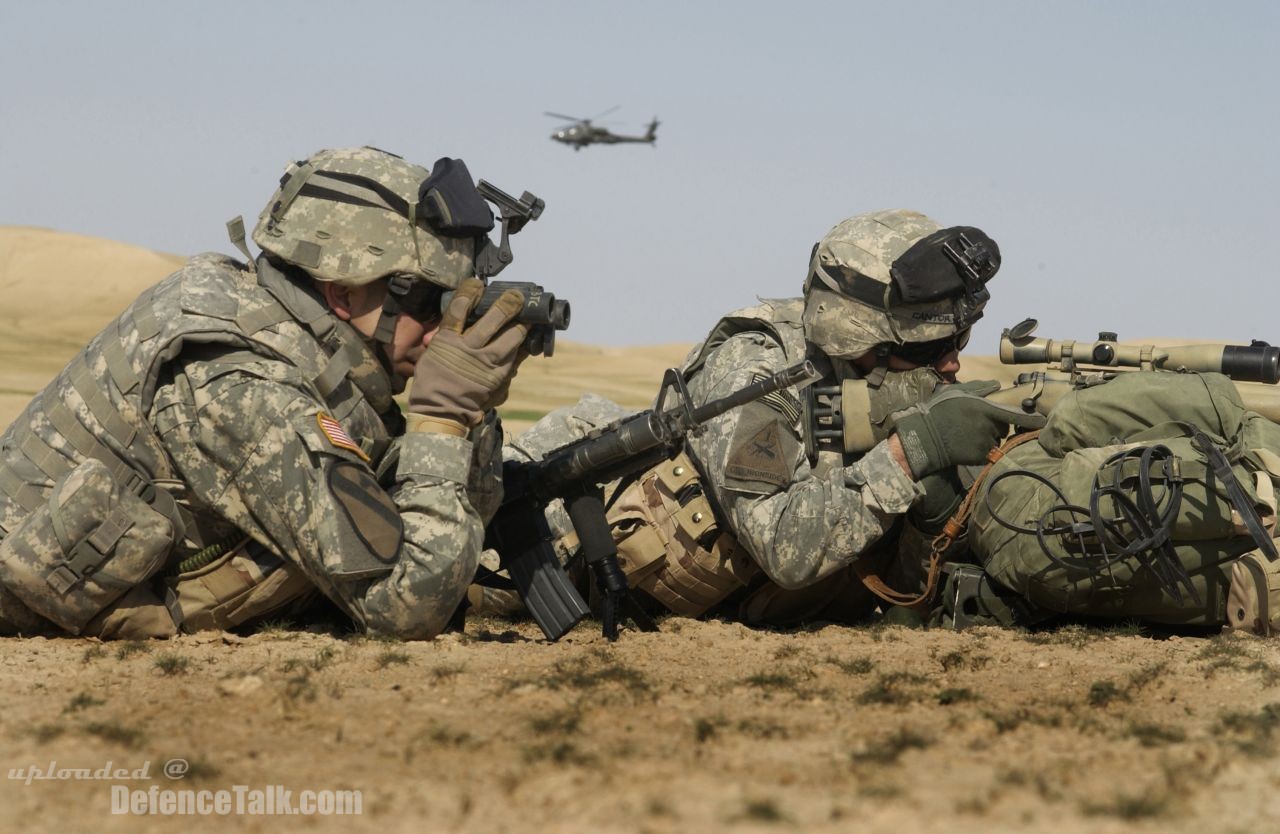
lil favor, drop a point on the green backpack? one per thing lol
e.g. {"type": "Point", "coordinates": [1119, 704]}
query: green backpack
{"type": "Point", "coordinates": [1123, 506]}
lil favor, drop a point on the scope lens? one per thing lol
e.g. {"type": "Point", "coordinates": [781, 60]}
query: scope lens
{"type": "Point", "coordinates": [1256, 363]}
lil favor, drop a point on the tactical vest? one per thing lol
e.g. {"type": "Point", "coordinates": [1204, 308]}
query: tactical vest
{"type": "Point", "coordinates": [674, 547]}
{"type": "Point", "coordinates": [89, 429]}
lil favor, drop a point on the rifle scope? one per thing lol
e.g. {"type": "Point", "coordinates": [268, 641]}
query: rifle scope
{"type": "Point", "coordinates": [1258, 362]}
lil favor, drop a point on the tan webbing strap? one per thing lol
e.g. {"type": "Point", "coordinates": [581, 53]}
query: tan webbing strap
{"type": "Point", "coordinates": [89, 387]}
{"type": "Point", "coordinates": [235, 232]}
{"type": "Point", "coordinates": [943, 541]}
{"type": "Point", "coordinates": [66, 424]}
{"type": "Point", "coordinates": [261, 318]}
{"type": "Point", "coordinates": [298, 176]}
{"type": "Point", "coordinates": [45, 458]}
{"type": "Point", "coordinates": [30, 498]}
{"type": "Point", "coordinates": [117, 363]}
{"type": "Point", "coordinates": [144, 316]}
{"type": "Point", "coordinates": [335, 371]}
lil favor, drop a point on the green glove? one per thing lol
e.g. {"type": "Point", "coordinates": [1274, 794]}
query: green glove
{"type": "Point", "coordinates": [465, 371]}
{"type": "Point", "coordinates": [956, 427]}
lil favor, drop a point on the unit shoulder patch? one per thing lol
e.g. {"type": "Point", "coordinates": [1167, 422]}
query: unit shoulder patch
{"type": "Point", "coordinates": [762, 454]}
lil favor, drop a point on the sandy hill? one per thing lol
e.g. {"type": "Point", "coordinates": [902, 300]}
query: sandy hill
{"type": "Point", "coordinates": [60, 289]}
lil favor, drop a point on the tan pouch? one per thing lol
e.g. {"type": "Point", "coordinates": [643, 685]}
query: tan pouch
{"type": "Point", "coordinates": [1253, 600]}
{"type": "Point", "coordinates": [660, 541]}
{"type": "Point", "coordinates": [83, 549]}
{"type": "Point", "coordinates": [246, 583]}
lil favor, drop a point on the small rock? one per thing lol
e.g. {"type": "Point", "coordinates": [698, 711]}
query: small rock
{"type": "Point", "coordinates": [240, 686]}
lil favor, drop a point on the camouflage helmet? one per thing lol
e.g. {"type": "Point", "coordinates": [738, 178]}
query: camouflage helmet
{"type": "Point", "coordinates": [895, 277]}
{"type": "Point", "coordinates": [352, 216]}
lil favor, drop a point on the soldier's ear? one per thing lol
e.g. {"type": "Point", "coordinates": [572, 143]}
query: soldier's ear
{"type": "Point", "coordinates": [339, 298]}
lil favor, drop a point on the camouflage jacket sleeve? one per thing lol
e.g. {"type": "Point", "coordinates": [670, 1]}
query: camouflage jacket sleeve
{"type": "Point", "coordinates": [799, 525]}
{"type": "Point", "coordinates": [254, 450]}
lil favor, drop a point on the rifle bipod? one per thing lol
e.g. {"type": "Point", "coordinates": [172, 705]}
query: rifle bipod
{"type": "Point", "coordinates": [586, 511]}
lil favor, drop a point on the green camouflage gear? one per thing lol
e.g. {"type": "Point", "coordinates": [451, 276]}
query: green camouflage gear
{"type": "Point", "coordinates": [365, 235]}
{"type": "Point", "coordinates": [1064, 569]}
{"type": "Point", "coordinates": [265, 416]}
{"type": "Point", "coordinates": [867, 245]}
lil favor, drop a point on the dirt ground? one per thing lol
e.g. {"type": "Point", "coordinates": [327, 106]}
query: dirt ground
{"type": "Point", "coordinates": [707, 726]}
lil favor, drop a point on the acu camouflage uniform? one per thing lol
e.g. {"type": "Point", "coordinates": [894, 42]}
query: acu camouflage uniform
{"type": "Point", "coordinates": [794, 526]}
{"type": "Point", "coordinates": [246, 417]}
{"type": "Point", "coordinates": [752, 521]}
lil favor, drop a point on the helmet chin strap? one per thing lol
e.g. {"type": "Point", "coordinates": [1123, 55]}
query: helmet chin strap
{"type": "Point", "coordinates": [398, 287]}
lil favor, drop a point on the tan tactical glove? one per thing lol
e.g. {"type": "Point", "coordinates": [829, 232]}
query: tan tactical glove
{"type": "Point", "coordinates": [465, 371]}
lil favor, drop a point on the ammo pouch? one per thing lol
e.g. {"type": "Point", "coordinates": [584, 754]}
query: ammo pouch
{"type": "Point", "coordinates": [669, 543]}
{"type": "Point", "coordinates": [1253, 598]}
{"type": "Point", "coordinates": [87, 545]}
{"type": "Point", "coordinates": [245, 583]}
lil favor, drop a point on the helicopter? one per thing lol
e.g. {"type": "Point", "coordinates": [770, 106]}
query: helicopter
{"type": "Point", "coordinates": [582, 133]}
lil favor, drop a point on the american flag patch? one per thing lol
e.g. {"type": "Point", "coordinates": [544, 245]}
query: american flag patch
{"type": "Point", "coordinates": [783, 402]}
{"type": "Point", "coordinates": [338, 436]}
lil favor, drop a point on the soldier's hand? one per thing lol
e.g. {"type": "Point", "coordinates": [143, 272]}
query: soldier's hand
{"type": "Point", "coordinates": [465, 371]}
{"type": "Point", "coordinates": [956, 427]}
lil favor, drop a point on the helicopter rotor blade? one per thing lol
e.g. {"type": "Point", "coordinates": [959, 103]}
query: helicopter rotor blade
{"type": "Point", "coordinates": [605, 113]}
{"type": "Point", "coordinates": [563, 116]}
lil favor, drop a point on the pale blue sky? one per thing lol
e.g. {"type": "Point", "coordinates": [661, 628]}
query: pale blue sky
{"type": "Point", "coordinates": [1121, 153]}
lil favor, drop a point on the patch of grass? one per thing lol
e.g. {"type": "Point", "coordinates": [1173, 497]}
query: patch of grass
{"type": "Point", "coordinates": [43, 733]}
{"type": "Point", "coordinates": [772, 680]}
{"type": "Point", "coordinates": [82, 701]}
{"type": "Point", "coordinates": [198, 770]}
{"type": "Point", "coordinates": [323, 658]}
{"type": "Point", "coordinates": [300, 687]}
{"type": "Point", "coordinates": [1156, 735]}
{"type": "Point", "coordinates": [1252, 732]}
{"type": "Point", "coordinates": [1072, 636]}
{"type": "Point", "coordinates": [391, 657]}
{"type": "Point", "coordinates": [438, 735]}
{"type": "Point", "coordinates": [1141, 678]}
{"type": "Point", "coordinates": [856, 666]}
{"type": "Point", "coordinates": [762, 810]}
{"type": "Point", "coordinates": [1006, 722]}
{"type": "Point", "coordinates": [762, 728]}
{"type": "Point", "coordinates": [1270, 674]}
{"type": "Point", "coordinates": [1102, 693]}
{"type": "Point", "coordinates": [956, 695]}
{"type": "Point", "coordinates": [889, 689]}
{"type": "Point", "coordinates": [963, 660]}
{"type": "Point", "coordinates": [1146, 805]}
{"type": "Point", "coordinates": [171, 664]}
{"type": "Point", "coordinates": [1125, 628]}
{"type": "Point", "coordinates": [442, 673]}
{"type": "Point", "coordinates": [705, 729]}
{"type": "Point", "coordinates": [880, 790]}
{"type": "Point", "coordinates": [279, 628]}
{"type": "Point", "coordinates": [129, 648]}
{"type": "Point", "coordinates": [562, 722]}
{"type": "Point", "coordinates": [1225, 651]}
{"type": "Point", "coordinates": [560, 751]}
{"type": "Point", "coordinates": [786, 651]}
{"type": "Point", "coordinates": [93, 653]}
{"type": "Point", "coordinates": [115, 732]}
{"type": "Point", "coordinates": [574, 676]}
{"type": "Point", "coordinates": [888, 750]}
